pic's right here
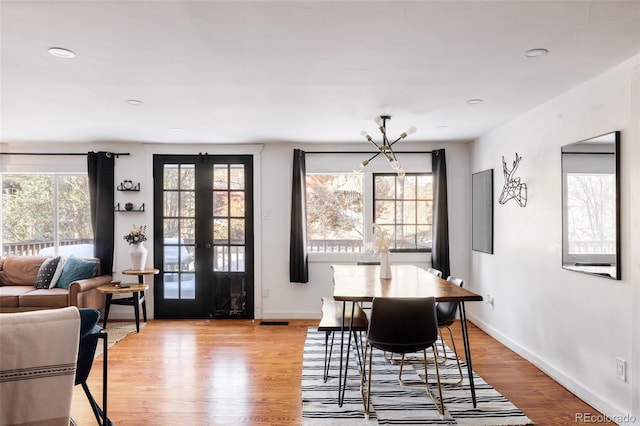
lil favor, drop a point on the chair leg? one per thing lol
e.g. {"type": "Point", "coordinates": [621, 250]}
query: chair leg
{"type": "Point", "coordinates": [97, 411]}
{"type": "Point", "coordinates": [440, 406]}
{"type": "Point", "coordinates": [445, 358]}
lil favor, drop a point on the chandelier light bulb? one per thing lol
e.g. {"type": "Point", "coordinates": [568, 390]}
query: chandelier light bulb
{"type": "Point", "coordinates": [411, 130]}
{"type": "Point", "coordinates": [395, 165]}
{"type": "Point", "coordinates": [366, 135]}
{"type": "Point", "coordinates": [360, 167]}
{"type": "Point", "coordinates": [401, 172]}
{"type": "Point", "coordinates": [379, 121]}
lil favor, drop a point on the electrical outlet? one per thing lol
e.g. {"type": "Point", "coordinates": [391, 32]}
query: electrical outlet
{"type": "Point", "coordinates": [265, 292]}
{"type": "Point", "coordinates": [621, 369]}
{"type": "Point", "coordinates": [489, 300]}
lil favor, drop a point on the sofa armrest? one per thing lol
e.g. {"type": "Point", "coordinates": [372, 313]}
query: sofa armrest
{"type": "Point", "coordinates": [89, 284]}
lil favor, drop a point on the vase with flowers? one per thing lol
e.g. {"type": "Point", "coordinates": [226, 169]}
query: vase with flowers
{"type": "Point", "coordinates": [137, 251]}
{"type": "Point", "coordinates": [382, 241]}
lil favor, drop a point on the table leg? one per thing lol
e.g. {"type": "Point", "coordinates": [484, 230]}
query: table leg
{"type": "Point", "coordinates": [144, 299]}
{"type": "Point", "coordinates": [467, 351]}
{"type": "Point", "coordinates": [342, 388]}
{"type": "Point", "coordinates": [143, 294]}
{"type": "Point", "coordinates": [107, 305]}
{"type": "Point", "coordinates": [136, 309]}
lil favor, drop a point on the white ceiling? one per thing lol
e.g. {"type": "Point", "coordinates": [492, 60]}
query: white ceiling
{"type": "Point", "coordinates": [300, 71]}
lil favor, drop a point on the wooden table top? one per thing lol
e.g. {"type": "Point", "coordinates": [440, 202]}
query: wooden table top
{"type": "Point", "coordinates": [110, 288]}
{"type": "Point", "coordinates": [363, 283]}
{"type": "Point", "coordinates": [151, 271]}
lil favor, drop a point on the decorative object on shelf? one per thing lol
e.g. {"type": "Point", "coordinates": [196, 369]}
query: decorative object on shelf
{"type": "Point", "coordinates": [513, 188]}
{"type": "Point", "coordinates": [128, 207]}
{"type": "Point", "coordinates": [137, 251]}
{"type": "Point", "coordinates": [382, 241]}
{"type": "Point", "coordinates": [385, 148]}
{"type": "Point", "coordinates": [127, 185]}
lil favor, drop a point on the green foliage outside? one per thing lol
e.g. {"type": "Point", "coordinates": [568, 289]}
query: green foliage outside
{"type": "Point", "coordinates": [28, 203]}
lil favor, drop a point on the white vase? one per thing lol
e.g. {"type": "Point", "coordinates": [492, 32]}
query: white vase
{"type": "Point", "coordinates": [138, 255]}
{"type": "Point", "coordinates": [385, 266]}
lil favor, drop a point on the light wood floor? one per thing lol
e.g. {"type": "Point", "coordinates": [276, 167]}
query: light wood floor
{"type": "Point", "coordinates": [237, 372]}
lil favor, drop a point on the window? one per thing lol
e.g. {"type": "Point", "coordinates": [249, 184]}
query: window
{"type": "Point", "coordinates": [46, 214]}
{"type": "Point", "coordinates": [339, 208]}
{"type": "Point", "coordinates": [403, 206]}
{"type": "Point", "coordinates": [335, 213]}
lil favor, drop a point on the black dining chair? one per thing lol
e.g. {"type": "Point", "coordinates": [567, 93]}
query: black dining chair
{"type": "Point", "coordinates": [401, 325]}
{"type": "Point", "coordinates": [447, 313]}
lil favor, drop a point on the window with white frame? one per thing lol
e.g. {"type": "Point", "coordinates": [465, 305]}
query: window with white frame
{"type": "Point", "coordinates": [46, 214]}
{"type": "Point", "coordinates": [342, 207]}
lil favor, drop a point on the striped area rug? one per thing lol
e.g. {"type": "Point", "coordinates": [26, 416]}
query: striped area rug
{"type": "Point", "coordinates": [393, 403]}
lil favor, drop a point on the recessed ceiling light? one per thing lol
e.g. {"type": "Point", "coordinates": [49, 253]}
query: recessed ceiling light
{"type": "Point", "coordinates": [176, 129]}
{"type": "Point", "coordinates": [535, 53]}
{"type": "Point", "coordinates": [60, 52]}
{"type": "Point", "coordinates": [442, 127]}
{"type": "Point", "coordinates": [475, 101]}
{"type": "Point", "coordinates": [134, 102]}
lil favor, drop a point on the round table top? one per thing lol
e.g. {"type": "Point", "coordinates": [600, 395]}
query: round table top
{"type": "Point", "coordinates": [111, 288]}
{"type": "Point", "coordinates": [152, 271]}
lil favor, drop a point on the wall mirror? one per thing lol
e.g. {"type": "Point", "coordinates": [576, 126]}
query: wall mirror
{"type": "Point", "coordinates": [591, 206]}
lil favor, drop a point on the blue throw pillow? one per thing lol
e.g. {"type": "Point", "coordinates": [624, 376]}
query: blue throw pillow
{"type": "Point", "coordinates": [76, 269]}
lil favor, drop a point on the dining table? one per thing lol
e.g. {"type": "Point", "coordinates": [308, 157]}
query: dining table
{"type": "Point", "coordinates": [362, 283]}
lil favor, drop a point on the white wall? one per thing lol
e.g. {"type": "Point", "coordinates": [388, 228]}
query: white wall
{"type": "Point", "coordinates": [272, 193]}
{"type": "Point", "coordinates": [572, 325]}
{"type": "Point", "coordinates": [295, 300]}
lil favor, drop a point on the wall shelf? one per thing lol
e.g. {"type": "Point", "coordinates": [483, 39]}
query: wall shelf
{"type": "Point", "coordinates": [127, 186]}
{"type": "Point", "coordinates": [134, 209]}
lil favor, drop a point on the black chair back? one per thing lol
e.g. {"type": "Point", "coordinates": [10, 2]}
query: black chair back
{"type": "Point", "coordinates": [447, 311]}
{"type": "Point", "coordinates": [402, 325]}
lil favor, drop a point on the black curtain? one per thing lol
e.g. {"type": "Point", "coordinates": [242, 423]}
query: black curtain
{"type": "Point", "coordinates": [440, 250]}
{"type": "Point", "coordinates": [298, 262]}
{"type": "Point", "coordinates": [100, 167]}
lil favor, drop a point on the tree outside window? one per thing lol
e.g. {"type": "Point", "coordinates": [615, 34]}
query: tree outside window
{"type": "Point", "coordinates": [335, 213]}
{"type": "Point", "coordinates": [42, 213]}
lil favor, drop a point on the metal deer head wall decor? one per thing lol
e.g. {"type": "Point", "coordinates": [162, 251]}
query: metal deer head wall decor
{"type": "Point", "coordinates": [513, 189]}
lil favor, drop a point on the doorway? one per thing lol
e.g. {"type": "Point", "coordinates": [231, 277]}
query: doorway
{"type": "Point", "coordinates": [203, 236]}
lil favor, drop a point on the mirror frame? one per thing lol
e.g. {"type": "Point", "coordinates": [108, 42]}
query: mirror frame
{"type": "Point", "coordinates": [605, 269]}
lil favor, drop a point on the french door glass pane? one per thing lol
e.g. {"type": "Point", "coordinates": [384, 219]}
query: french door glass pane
{"type": "Point", "coordinates": [220, 176]}
{"type": "Point", "coordinates": [220, 203]}
{"type": "Point", "coordinates": [237, 204]}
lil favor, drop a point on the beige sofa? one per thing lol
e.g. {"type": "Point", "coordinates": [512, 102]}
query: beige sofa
{"type": "Point", "coordinates": [18, 276]}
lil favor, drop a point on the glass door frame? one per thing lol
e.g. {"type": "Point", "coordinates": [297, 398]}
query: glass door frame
{"type": "Point", "coordinates": [202, 305]}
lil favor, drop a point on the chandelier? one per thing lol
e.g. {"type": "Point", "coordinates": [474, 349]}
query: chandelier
{"type": "Point", "coordinates": [385, 148]}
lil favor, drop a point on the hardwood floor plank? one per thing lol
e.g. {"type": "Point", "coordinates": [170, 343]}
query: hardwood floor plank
{"type": "Point", "coordinates": [238, 372]}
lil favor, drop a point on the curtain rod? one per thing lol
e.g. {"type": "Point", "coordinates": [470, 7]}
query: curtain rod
{"type": "Point", "coordinates": [365, 152]}
{"type": "Point", "coordinates": [117, 154]}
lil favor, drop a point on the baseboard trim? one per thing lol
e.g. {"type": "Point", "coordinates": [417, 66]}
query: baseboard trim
{"type": "Point", "coordinates": [602, 405]}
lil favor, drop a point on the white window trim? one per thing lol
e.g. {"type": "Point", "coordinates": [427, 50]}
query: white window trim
{"type": "Point", "coordinates": [325, 164]}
